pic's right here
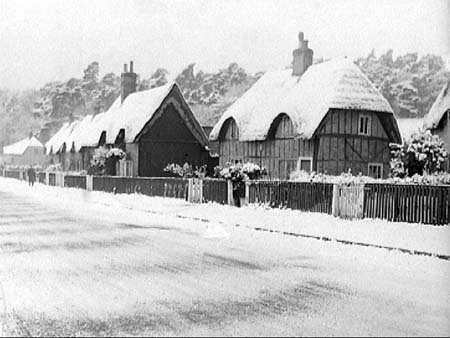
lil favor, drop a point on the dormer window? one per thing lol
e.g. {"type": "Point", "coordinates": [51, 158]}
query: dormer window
{"type": "Point", "coordinates": [230, 130]}
{"type": "Point", "coordinates": [364, 124]}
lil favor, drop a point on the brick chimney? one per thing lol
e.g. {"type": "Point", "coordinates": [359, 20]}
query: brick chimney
{"type": "Point", "coordinates": [128, 81]}
{"type": "Point", "coordinates": [302, 56]}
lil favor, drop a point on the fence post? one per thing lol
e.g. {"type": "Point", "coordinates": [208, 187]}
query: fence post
{"type": "Point", "coordinates": [334, 205]}
{"type": "Point", "coordinates": [360, 201]}
{"type": "Point", "coordinates": [190, 189]}
{"type": "Point", "coordinates": [230, 199]}
{"type": "Point", "coordinates": [89, 182]}
{"type": "Point", "coordinates": [200, 190]}
{"type": "Point", "coordinates": [247, 192]}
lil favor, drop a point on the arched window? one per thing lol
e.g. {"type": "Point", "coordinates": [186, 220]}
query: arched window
{"type": "Point", "coordinates": [230, 130]}
{"type": "Point", "coordinates": [281, 128]}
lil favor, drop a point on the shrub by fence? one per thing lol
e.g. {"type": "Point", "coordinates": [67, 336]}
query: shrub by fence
{"type": "Point", "coordinates": [304, 196]}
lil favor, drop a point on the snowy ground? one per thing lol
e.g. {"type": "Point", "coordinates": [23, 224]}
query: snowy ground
{"type": "Point", "coordinates": [414, 237]}
{"type": "Point", "coordinates": [78, 263]}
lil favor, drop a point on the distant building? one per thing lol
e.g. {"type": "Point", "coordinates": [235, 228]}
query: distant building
{"type": "Point", "coordinates": [326, 117]}
{"type": "Point", "coordinates": [154, 127]}
{"type": "Point", "coordinates": [29, 151]}
{"type": "Point", "coordinates": [438, 118]}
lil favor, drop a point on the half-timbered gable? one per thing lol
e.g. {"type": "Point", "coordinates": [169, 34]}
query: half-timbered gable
{"type": "Point", "coordinates": [326, 117]}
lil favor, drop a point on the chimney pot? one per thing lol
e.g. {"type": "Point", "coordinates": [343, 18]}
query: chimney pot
{"type": "Point", "coordinates": [128, 82]}
{"type": "Point", "coordinates": [303, 56]}
{"type": "Point", "coordinates": [125, 68]}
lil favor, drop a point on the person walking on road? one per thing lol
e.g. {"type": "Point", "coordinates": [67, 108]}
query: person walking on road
{"type": "Point", "coordinates": [31, 176]}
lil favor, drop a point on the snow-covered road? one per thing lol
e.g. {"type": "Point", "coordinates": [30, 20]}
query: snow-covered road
{"type": "Point", "coordinates": [74, 268]}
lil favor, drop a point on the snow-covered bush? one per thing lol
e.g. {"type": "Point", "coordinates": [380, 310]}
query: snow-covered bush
{"type": "Point", "coordinates": [54, 167]}
{"type": "Point", "coordinates": [419, 154]}
{"type": "Point", "coordinates": [104, 161]}
{"type": "Point", "coordinates": [344, 178]}
{"type": "Point", "coordinates": [240, 172]}
{"type": "Point", "coordinates": [186, 171]}
{"type": "Point", "coordinates": [116, 153]}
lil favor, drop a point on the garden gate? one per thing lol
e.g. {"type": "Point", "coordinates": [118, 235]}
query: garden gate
{"type": "Point", "coordinates": [348, 200]}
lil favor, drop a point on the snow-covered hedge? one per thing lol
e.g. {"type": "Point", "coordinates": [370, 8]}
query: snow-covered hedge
{"type": "Point", "coordinates": [421, 153]}
{"type": "Point", "coordinates": [36, 167]}
{"type": "Point", "coordinates": [426, 179]}
{"type": "Point", "coordinates": [186, 171]}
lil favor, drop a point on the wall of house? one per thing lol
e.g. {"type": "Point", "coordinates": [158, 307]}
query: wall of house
{"type": "Point", "coordinates": [341, 147]}
{"type": "Point", "coordinates": [335, 148]}
{"type": "Point", "coordinates": [169, 140]}
{"type": "Point", "coordinates": [279, 154]}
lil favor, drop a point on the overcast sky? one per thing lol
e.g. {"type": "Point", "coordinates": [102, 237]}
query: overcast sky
{"type": "Point", "coordinates": [46, 40]}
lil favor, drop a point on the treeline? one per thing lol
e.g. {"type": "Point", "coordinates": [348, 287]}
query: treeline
{"type": "Point", "coordinates": [410, 83]}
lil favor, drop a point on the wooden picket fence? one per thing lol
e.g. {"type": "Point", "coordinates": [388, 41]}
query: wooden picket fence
{"type": "Point", "coordinates": [155, 186]}
{"type": "Point", "coordinates": [394, 202]}
{"type": "Point", "coordinates": [215, 190]}
{"type": "Point", "coordinates": [315, 197]}
{"type": "Point", "coordinates": [408, 203]}
{"type": "Point", "coordinates": [75, 181]}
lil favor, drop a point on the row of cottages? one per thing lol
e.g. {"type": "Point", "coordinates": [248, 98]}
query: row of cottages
{"type": "Point", "coordinates": [326, 117]}
{"type": "Point", "coordinates": [29, 151]}
{"type": "Point", "coordinates": [154, 127]}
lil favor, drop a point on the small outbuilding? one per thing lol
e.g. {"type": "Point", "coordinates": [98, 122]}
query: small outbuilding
{"type": "Point", "coordinates": [327, 117]}
{"type": "Point", "coordinates": [29, 151]}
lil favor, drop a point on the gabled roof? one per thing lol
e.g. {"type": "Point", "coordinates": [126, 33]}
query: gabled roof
{"type": "Point", "coordinates": [20, 147]}
{"type": "Point", "coordinates": [132, 115]}
{"type": "Point", "coordinates": [438, 109]}
{"type": "Point", "coordinates": [306, 99]}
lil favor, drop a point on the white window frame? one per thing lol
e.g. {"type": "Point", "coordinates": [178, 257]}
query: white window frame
{"type": "Point", "coordinates": [304, 158]}
{"type": "Point", "coordinates": [375, 164]}
{"type": "Point", "coordinates": [367, 118]}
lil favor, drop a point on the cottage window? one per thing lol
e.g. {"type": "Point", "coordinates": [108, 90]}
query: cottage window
{"type": "Point", "coordinates": [375, 170]}
{"type": "Point", "coordinates": [364, 125]}
{"type": "Point", "coordinates": [305, 164]}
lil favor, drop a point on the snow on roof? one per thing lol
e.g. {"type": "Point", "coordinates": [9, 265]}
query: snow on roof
{"type": "Point", "coordinates": [19, 148]}
{"type": "Point", "coordinates": [306, 100]}
{"type": "Point", "coordinates": [408, 126]}
{"type": "Point", "coordinates": [439, 107]}
{"type": "Point", "coordinates": [131, 115]}
{"type": "Point", "coordinates": [56, 142]}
